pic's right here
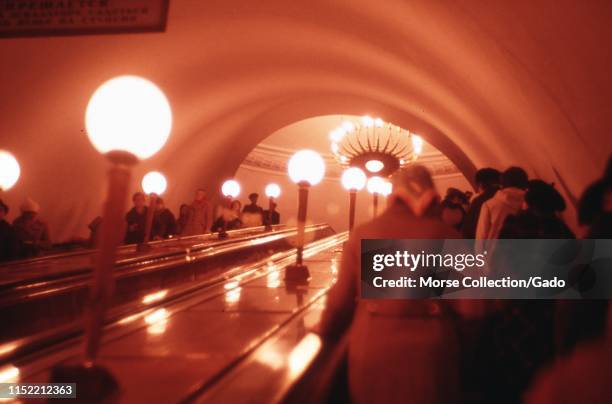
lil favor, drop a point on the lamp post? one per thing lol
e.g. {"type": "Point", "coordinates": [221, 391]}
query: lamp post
{"type": "Point", "coordinates": [128, 119]}
{"type": "Point", "coordinates": [153, 184]}
{"type": "Point", "coordinates": [272, 192]}
{"type": "Point", "coordinates": [376, 186]}
{"type": "Point", "coordinates": [9, 170]}
{"type": "Point", "coordinates": [353, 180]}
{"type": "Point", "coordinates": [230, 189]}
{"type": "Point", "coordinates": [306, 168]}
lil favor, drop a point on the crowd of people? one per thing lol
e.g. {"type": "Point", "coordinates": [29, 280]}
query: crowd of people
{"type": "Point", "coordinates": [28, 235]}
{"type": "Point", "coordinates": [445, 351]}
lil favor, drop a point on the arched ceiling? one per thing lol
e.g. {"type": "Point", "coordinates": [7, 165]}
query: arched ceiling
{"type": "Point", "coordinates": [487, 83]}
{"type": "Point", "coordinates": [273, 153]}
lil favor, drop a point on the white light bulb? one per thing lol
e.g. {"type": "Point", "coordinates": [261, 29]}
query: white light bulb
{"type": "Point", "coordinates": [273, 191]}
{"type": "Point", "coordinates": [128, 113]}
{"type": "Point", "coordinates": [348, 126]}
{"type": "Point", "coordinates": [374, 166]}
{"type": "Point", "coordinates": [376, 185]}
{"type": "Point", "coordinates": [417, 144]}
{"type": "Point", "coordinates": [353, 178]}
{"type": "Point", "coordinates": [367, 121]}
{"type": "Point", "coordinates": [230, 188]}
{"type": "Point", "coordinates": [9, 170]}
{"type": "Point", "coordinates": [387, 188]}
{"type": "Point", "coordinates": [154, 182]}
{"type": "Point", "coordinates": [306, 165]}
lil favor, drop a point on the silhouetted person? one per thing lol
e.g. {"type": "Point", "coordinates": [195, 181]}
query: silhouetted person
{"type": "Point", "coordinates": [403, 350]}
{"type": "Point", "coordinates": [198, 219]}
{"type": "Point", "coordinates": [229, 219]}
{"type": "Point", "coordinates": [579, 321]}
{"type": "Point", "coordinates": [32, 232]}
{"type": "Point", "coordinates": [452, 208]}
{"type": "Point", "coordinates": [487, 183]}
{"type": "Point", "coordinates": [8, 238]}
{"type": "Point", "coordinates": [252, 214]}
{"type": "Point", "coordinates": [164, 223]}
{"type": "Point", "coordinates": [181, 223]}
{"type": "Point", "coordinates": [136, 220]}
{"type": "Point", "coordinates": [541, 218]}
{"type": "Point", "coordinates": [506, 201]}
{"type": "Point", "coordinates": [595, 207]}
{"type": "Point", "coordinates": [271, 216]}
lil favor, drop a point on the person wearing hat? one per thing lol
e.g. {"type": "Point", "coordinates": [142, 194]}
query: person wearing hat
{"type": "Point", "coordinates": [8, 241]}
{"type": "Point", "coordinates": [398, 349]}
{"type": "Point", "coordinates": [32, 232]}
{"type": "Point", "coordinates": [541, 218]}
{"type": "Point", "coordinates": [252, 214]}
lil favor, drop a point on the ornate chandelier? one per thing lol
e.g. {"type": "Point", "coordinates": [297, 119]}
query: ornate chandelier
{"type": "Point", "coordinates": [377, 147]}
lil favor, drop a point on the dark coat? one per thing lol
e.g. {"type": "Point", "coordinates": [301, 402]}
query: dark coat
{"type": "Point", "coordinates": [136, 223]}
{"type": "Point", "coordinates": [8, 241]}
{"type": "Point", "coordinates": [392, 358]}
{"type": "Point", "coordinates": [470, 220]}
{"type": "Point", "coordinates": [528, 224]}
{"type": "Point", "coordinates": [164, 224]}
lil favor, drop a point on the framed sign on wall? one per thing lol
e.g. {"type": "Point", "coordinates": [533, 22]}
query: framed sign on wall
{"type": "Point", "coordinates": [25, 18]}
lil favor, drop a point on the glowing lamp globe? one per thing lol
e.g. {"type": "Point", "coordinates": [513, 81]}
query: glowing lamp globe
{"type": "Point", "coordinates": [353, 179]}
{"type": "Point", "coordinates": [230, 188]}
{"type": "Point", "coordinates": [376, 185]}
{"type": "Point", "coordinates": [273, 191]}
{"type": "Point", "coordinates": [128, 114]}
{"type": "Point", "coordinates": [374, 166]}
{"type": "Point", "coordinates": [154, 183]}
{"type": "Point", "coordinates": [306, 166]}
{"type": "Point", "coordinates": [387, 188]}
{"type": "Point", "coordinates": [9, 170]}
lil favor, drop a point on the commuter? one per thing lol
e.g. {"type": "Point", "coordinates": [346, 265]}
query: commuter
{"type": "Point", "coordinates": [487, 183]}
{"type": "Point", "coordinates": [198, 218]}
{"type": "Point", "coordinates": [271, 216]}
{"type": "Point", "coordinates": [582, 377]}
{"type": "Point", "coordinates": [181, 223]}
{"type": "Point", "coordinates": [252, 214]}
{"type": "Point", "coordinates": [8, 238]}
{"type": "Point", "coordinates": [32, 232]}
{"type": "Point", "coordinates": [595, 208]}
{"type": "Point", "coordinates": [229, 218]}
{"type": "Point", "coordinates": [164, 223]}
{"type": "Point", "coordinates": [584, 320]}
{"type": "Point", "coordinates": [398, 350]}
{"type": "Point", "coordinates": [541, 218]}
{"type": "Point", "coordinates": [136, 220]}
{"type": "Point", "coordinates": [453, 212]}
{"type": "Point", "coordinates": [506, 201]}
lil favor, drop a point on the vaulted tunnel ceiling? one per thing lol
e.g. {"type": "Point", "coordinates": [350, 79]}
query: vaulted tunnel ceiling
{"type": "Point", "coordinates": [487, 83]}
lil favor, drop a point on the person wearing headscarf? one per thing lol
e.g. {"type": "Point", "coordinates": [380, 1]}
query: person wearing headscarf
{"type": "Point", "coordinates": [31, 231]}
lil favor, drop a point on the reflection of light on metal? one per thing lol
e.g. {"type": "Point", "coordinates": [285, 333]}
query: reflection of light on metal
{"type": "Point", "coordinates": [158, 320]}
{"type": "Point", "coordinates": [302, 355]}
{"type": "Point", "coordinates": [233, 295]}
{"type": "Point", "coordinates": [153, 297]}
{"type": "Point", "coordinates": [6, 348]}
{"type": "Point", "coordinates": [129, 319]}
{"type": "Point", "coordinates": [270, 357]}
{"type": "Point", "coordinates": [9, 374]}
{"type": "Point", "coordinates": [231, 285]}
{"type": "Point", "coordinates": [263, 240]}
{"type": "Point", "coordinates": [273, 279]}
